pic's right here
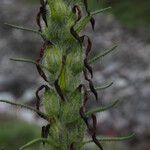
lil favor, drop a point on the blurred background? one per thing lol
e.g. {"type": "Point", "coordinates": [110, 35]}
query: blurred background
{"type": "Point", "coordinates": [127, 25]}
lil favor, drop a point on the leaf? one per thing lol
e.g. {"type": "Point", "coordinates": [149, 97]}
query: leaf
{"type": "Point", "coordinates": [29, 61]}
{"type": "Point", "coordinates": [83, 22]}
{"type": "Point", "coordinates": [33, 142]}
{"type": "Point", "coordinates": [103, 87]}
{"type": "Point", "coordinates": [23, 28]}
{"type": "Point", "coordinates": [113, 139]}
{"type": "Point", "coordinates": [25, 107]}
{"type": "Point", "coordinates": [100, 55]}
{"type": "Point", "coordinates": [105, 108]}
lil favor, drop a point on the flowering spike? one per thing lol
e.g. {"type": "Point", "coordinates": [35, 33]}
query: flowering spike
{"type": "Point", "coordinates": [62, 61]}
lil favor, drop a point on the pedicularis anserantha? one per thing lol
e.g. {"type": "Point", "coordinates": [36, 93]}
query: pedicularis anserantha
{"type": "Point", "coordinates": [62, 62]}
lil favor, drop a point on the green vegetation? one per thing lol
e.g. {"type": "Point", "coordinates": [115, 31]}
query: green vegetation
{"type": "Point", "coordinates": [15, 133]}
{"type": "Point", "coordinates": [132, 13]}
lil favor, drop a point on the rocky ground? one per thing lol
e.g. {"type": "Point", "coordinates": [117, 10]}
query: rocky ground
{"type": "Point", "coordinates": [128, 67]}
